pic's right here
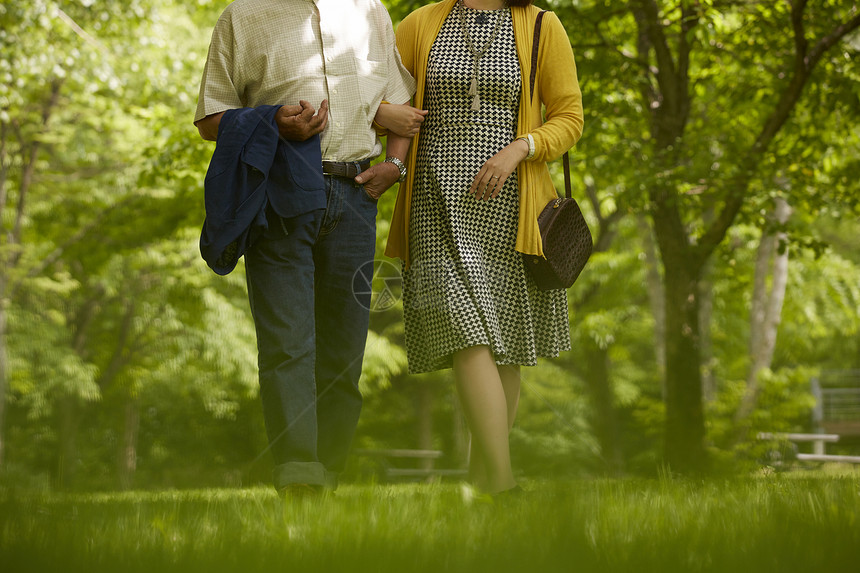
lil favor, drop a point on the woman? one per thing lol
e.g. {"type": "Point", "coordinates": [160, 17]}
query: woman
{"type": "Point", "coordinates": [461, 219]}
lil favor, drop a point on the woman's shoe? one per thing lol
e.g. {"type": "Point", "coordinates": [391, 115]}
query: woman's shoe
{"type": "Point", "coordinates": [511, 493]}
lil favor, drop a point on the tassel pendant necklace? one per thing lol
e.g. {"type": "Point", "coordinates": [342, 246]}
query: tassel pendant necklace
{"type": "Point", "coordinates": [473, 85]}
{"type": "Point", "coordinates": [476, 54]}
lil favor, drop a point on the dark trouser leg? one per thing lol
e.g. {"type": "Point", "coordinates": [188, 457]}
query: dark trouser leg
{"type": "Point", "coordinates": [346, 242]}
{"type": "Point", "coordinates": [280, 274]}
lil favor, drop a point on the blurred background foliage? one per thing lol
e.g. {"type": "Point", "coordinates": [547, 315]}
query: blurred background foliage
{"type": "Point", "coordinates": [125, 362]}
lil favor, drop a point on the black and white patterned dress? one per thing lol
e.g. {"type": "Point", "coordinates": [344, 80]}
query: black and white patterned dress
{"type": "Point", "coordinates": [467, 285]}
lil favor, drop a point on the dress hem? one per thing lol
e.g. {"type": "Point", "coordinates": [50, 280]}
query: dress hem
{"type": "Point", "coordinates": [446, 362]}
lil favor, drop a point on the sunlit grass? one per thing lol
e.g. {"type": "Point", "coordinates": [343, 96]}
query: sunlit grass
{"type": "Point", "coordinates": [782, 522]}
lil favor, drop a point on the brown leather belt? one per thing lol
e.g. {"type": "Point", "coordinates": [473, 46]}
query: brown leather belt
{"type": "Point", "coordinates": [347, 169]}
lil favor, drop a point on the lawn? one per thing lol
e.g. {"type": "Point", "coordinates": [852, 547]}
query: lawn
{"type": "Point", "coordinates": [798, 521]}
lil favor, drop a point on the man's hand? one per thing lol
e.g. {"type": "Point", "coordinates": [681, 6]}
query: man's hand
{"type": "Point", "coordinates": [402, 119]}
{"type": "Point", "coordinates": [378, 179]}
{"type": "Point", "coordinates": [300, 122]}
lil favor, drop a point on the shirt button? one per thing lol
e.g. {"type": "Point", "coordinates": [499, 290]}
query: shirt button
{"type": "Point", "coordinates": [334, 91]}
{"type": "Point", "coordinates": [337, 124]}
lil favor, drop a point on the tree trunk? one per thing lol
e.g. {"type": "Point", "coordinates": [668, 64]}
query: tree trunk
{"type": "Point", "coordinates": [706, 313]}
{"type": "Point", "coordinates": [424, 420]}
{"type": "Point", "coordinates": [685, 425]}
{"type": "Point", "coordinates": [4, 170]}
{"type": "Point", "coordinates": [459, 430]}
{"type": "Point", "coordinates": [684, 437]}
{"type": "Point", "coordinates": [68, 405]}
{"type": "Point", "coordinates": [68, 413]}
{"type": "Point", "coordinates": [3, 380]}
{"type": "Point", "coordinates": [656, 295]}
{"type": "Point", "coordinates": [604, 419]}
{"type": "Point", "coordinates": [765, 310]}
{"type": "Point", "coordinates": [128, 452]}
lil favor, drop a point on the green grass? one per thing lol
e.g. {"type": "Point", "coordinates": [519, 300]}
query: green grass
{"type": "Point", "coordinates": [783, 522]}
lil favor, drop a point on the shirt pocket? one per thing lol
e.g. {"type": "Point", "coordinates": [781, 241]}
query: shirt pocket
{"type": "Point", "coordinates": [371, 79]}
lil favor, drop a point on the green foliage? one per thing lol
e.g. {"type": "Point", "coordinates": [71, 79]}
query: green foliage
{"type": "Point", "coordinates": [551, 437]}
{"type": "Point", "coordinates": [383, 360]}
{"type": "Point", "coordinates": [109, 299]}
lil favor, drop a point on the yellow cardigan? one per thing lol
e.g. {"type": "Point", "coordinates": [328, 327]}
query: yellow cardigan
{"type": "Point", "coordinates": [556, 86]}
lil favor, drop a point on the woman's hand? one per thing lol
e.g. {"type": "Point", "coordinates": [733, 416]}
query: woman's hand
{"type": "Point", "coordinates": [402, 119]}
{"type": "Point", "coordinates": [491, 178]}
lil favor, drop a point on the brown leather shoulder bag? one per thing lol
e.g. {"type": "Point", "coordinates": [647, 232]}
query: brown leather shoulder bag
{"type": "Point", "coordinates": [566, 238]}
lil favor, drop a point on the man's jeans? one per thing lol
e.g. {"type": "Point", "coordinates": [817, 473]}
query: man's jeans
{"type": "Point", "coordinates": [311, 330]}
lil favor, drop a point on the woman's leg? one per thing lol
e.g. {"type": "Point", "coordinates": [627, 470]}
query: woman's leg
{"type": "Point", "coordinates": [510, 377]}
{"type": "Point", "coordinates": [486, 406]}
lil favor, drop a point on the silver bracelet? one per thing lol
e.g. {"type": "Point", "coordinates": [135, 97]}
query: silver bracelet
{"type": "Point", "coordinates": [399, 164]}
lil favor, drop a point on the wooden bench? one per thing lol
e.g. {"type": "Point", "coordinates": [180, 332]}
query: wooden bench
{"type": "Point", "coordinates": [818, 441]}
{"type": "Point", "coordinates": [393, 473]}
{"type": "Point", "coordinates": [828, 458]}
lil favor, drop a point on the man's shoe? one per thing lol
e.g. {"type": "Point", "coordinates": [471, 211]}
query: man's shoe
{"type": "Point", "coordinates": [300, 491]}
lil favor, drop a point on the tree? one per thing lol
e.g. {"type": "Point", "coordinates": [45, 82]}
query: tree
{"type": "Point", "coordinates": [692, 67]}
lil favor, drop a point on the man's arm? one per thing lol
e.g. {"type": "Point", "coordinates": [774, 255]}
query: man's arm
{"type": "Point", "coordinates": [208, 126]}
{"type": "Point", "coordinates": [295, 122]}
{"type": "Point", "coordinates": [381, 176]}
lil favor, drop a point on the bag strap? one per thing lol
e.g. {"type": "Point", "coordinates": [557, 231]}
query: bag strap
{"type": "Point", "coordinates": [535, 46]}
{"type": "Point", "coordinates": [532, 75]}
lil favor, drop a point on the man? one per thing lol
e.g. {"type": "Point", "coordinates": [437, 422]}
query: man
{"type": "Point", "coordinates": [311, 326]}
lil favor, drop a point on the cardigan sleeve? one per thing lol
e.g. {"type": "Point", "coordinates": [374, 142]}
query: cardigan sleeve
{"type": "Point", "coordinates": [558, 89]}
{"type": "Point", "coordinates": [406, 37]}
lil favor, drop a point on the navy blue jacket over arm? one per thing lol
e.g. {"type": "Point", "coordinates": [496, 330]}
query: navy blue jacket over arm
{"type": "Point", "coordinates": [252, 167]}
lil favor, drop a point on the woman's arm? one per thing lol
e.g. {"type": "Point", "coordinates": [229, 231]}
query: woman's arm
{"type": "Point", "coordinates": [402, 119]}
